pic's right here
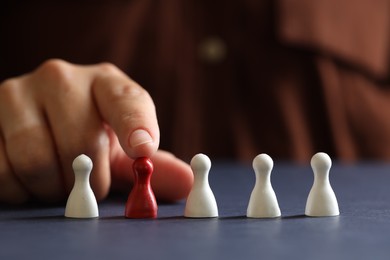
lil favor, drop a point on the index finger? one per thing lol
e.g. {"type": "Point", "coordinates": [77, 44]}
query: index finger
{"type": "Point", "coordinates": [128, 109]}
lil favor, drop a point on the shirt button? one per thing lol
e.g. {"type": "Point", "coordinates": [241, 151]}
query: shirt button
{"type": "Point", "coordinates": [212, 50]}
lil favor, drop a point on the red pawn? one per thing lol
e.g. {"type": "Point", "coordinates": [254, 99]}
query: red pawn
{"type": "Point", "coordinates": [141, 202]}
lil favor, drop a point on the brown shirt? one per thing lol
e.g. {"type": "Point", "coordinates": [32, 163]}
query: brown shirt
{"type": "Point", "coordinates": [230, 78]}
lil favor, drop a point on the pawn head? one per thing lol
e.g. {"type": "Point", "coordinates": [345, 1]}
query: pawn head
{"type": "Point", "coordinates": [82, 163]}
{"type": "Point", "coordinates": [263, 162]}
{"type": "Point", "coordinates": [321, 161]}
{"type": "Point", "coordinates": [200, 162]}
{"type": "Point", "coordinates": [143, 165]}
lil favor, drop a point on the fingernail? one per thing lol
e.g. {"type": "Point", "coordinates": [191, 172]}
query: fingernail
{"type": "Point", "coordinates": [139, 137]}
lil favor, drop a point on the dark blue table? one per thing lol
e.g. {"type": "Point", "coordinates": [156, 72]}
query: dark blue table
{"type": "Point", "coordinates": [362, 231]}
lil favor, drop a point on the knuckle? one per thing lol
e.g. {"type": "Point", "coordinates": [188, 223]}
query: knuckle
{"type": "Point", "coordinates": [57, 71]}
{"type": "Point", "coordinates": [11, 82]}
{"type": "Point", "coordinates": [128, 91]}
{"type": "Point", "coordinates": [127, 116]}
{"type": "Point", "coordinates": [128, 119]}
{"type": "Point", "coordinates": [9, 91]}
{"type": "Point", "coordinates": [107, 67]}
{"type": "Point", "coordinates": [54, 66]}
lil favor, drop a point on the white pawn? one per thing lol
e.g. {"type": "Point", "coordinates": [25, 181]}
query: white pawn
{"type": "Point", "coordinates": [321, 201]}
{"type": "Point", "coordinates": [201, 202]}
{"type": "Point", "coordinates": [81, 201]}
{"type": "Point", "coordinates": [263, 202]}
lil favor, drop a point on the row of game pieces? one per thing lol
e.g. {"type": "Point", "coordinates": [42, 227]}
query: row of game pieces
{"type": "Point", "coordinates": [201, 201]}
{"type": "Point", "coordinates": [263, 202]}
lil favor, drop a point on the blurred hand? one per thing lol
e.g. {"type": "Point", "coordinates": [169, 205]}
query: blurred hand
{"type": "Point", "coordinates": [61, 110]}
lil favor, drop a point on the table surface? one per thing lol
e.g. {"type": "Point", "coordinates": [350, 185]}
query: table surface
{"type": "Point", "coordinates": [362, 231]}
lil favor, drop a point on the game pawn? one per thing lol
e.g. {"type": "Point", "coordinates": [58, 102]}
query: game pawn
{"type": "Point", "coordinates": [201, 202]}
{"type": "Point", "coordinates": [141, 202]}
{"type": "Point", "coordinates": [263, 202]}
{"type": "Point", "coordinates": [321, 201]}
{"type": "Point", "coordinates": [81, 201]}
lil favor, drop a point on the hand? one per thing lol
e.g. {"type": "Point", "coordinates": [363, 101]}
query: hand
{"type": "Point", "coordinates": [61, 110]}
